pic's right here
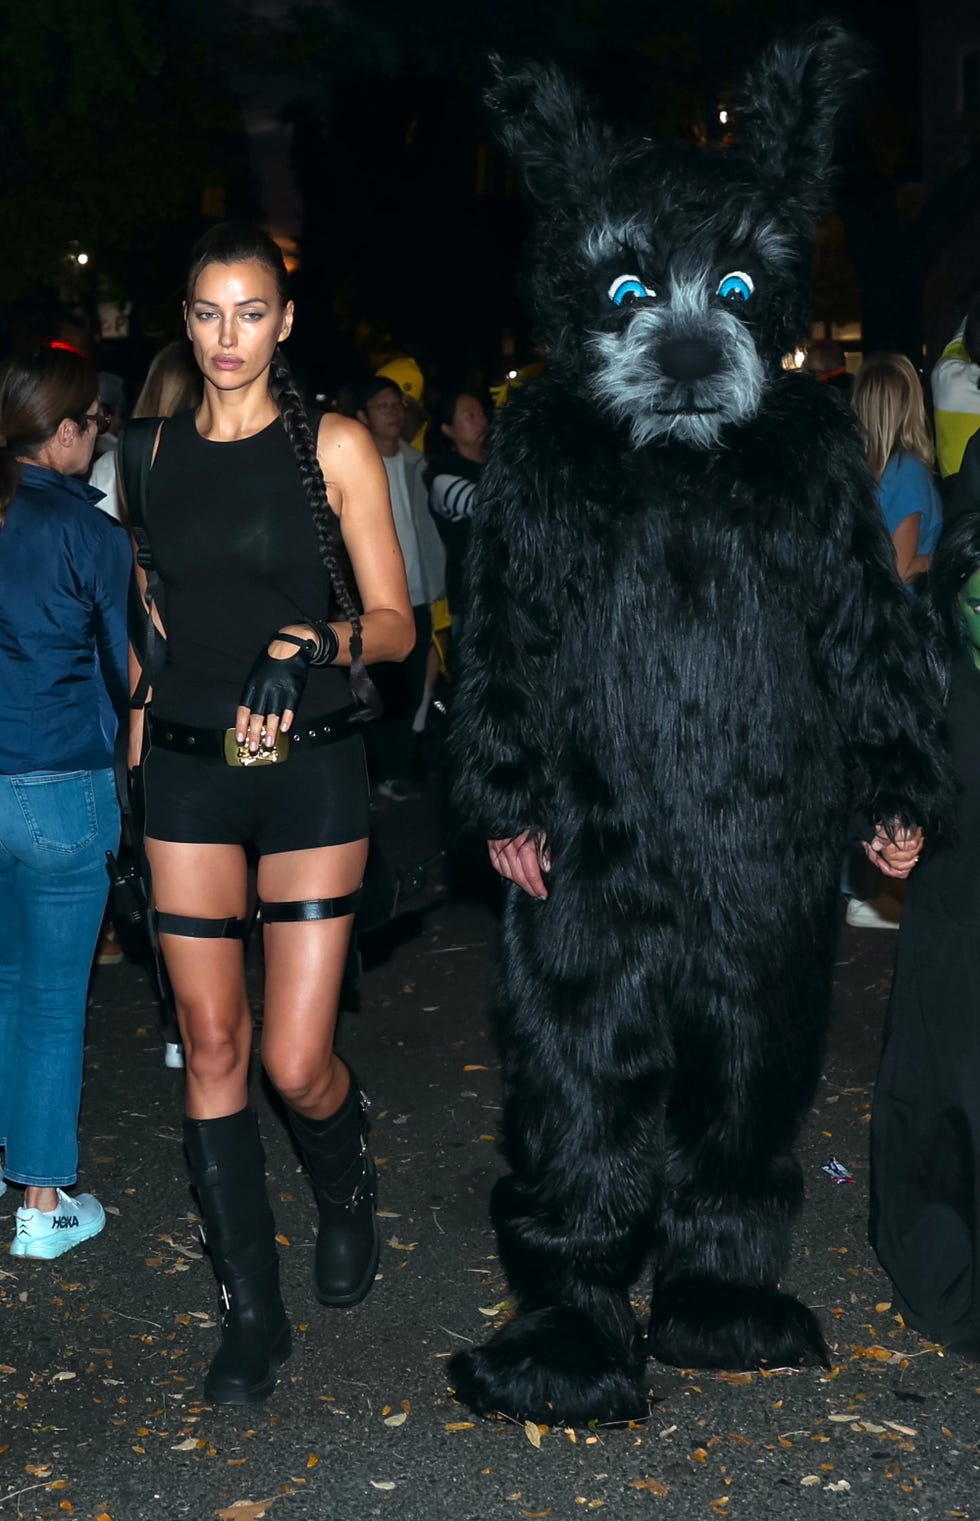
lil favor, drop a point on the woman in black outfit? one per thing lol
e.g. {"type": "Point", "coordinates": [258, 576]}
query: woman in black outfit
{"type": "Point", "coordinates": [925, 1133]}
{"type": "Point", "coordinates": [246, 539]}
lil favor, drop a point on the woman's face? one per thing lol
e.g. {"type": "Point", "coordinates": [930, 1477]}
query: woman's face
{"type": "Point", "coordinates": [968, 598]}
{"type": "Point", "coordinates": [468, 428]}
{"type": "Point", "coordinates": [234, 321]}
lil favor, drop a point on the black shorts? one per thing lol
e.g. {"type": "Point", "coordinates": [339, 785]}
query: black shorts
{"type": "Point", "coordinates": [316, 798]}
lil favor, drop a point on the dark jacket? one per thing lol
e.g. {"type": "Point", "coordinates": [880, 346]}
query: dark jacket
{"type": "Point", "coordinates": [64, 573]}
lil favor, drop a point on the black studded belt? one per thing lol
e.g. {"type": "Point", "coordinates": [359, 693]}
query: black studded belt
{"type": "Point", "coordinates": [221, 744]}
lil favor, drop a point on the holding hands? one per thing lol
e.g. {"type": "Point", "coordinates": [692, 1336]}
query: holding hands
{"type": "Point", "coordinates": [894, 857]}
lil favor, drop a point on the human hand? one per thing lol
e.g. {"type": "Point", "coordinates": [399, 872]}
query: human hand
{"type": "Point", "coordinates": [522, 859]}
{"type": "Point", "coordinates": [272, 690]}
{"type": "Point", "coordinates": [894, 858]}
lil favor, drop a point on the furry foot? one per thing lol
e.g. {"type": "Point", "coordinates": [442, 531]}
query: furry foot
{"type": "Point", "coordinates": [553, 1366]}
{"type": "Point", "coordinates": [701, 1323]}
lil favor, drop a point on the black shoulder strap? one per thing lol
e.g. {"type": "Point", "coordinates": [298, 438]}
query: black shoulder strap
{"type": "Point", "coordinates": [135, 462]}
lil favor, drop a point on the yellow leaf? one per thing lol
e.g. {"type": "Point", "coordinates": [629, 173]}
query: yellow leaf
{"type": "Point", "coordinates": [533, 1433]}
{"type": "Point", "coordinates": [734, 1378]}
{"type": "Point", "coordinates": [699, 1455]}
{"type": "Point", "coordinates": [283, 1240]}
{"type": "Point", "coordinates": [652, 1486]}
{"type": "Point", "coordinates": [460, 1426]}
{"type": "Point", "coordinates": [884, 1305]}
{"type": "Point", "coordinates": [312, 1460]}
{"type": "Point", "coordinates": [496, 1309]}
{"type": "Point", "coordinates": [381, 1484]}
{"type": "Point", "coordinates": [402, 1246]}
{"type": "Point", "coordinates": [57, 1484]}
{"type": "Point", "coordinates": [535, 1515]}
{"type": "Point", "coordinates": [475, 1067]}
{"type": "Point", "coordinates": [396, 1420]}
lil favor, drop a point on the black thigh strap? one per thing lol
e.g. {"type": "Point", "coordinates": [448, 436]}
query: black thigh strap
{"type": "Point", "coordinates": [308, 909]}
{"type": "Point", "coordinates": [199, 929]}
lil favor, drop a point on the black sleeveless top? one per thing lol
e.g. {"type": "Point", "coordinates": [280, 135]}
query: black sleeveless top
{"type": "Point", "coordinates": [234, 544]}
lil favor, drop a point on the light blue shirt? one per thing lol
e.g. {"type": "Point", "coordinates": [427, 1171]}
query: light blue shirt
{"type": "Point", "coordinates": [907, 487]}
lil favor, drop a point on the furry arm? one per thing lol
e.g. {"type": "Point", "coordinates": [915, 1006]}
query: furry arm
{"type": "Point", "coordinates": [501, 725]}
{"type": "Point", "coordinates": [873, 660]}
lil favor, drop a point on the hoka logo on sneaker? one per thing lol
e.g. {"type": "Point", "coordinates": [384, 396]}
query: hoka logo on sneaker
{"type": "Point", "coordinates": [64, 1222]}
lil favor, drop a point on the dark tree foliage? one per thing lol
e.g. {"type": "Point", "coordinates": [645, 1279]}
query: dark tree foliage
{"type": "Point", "coordinates": [120, 136]}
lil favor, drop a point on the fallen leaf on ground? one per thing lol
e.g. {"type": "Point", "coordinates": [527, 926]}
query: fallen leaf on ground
{"type": "Point", "coordinates": [246, 1510]}
{"type": "Point", "coordinates": [533, 1433]}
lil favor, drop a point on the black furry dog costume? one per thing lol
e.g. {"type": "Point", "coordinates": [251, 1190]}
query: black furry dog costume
{"type": "Point", "coordinates": [687, 659]}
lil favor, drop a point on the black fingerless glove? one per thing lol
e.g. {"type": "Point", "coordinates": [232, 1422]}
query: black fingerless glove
{"type": "Point", "coordinates": [275, 685]}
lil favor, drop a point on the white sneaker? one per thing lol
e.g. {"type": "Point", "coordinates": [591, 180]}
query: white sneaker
{"type": "Point", "coordinates": [883, 912]}
{"type": "Point", "coordinates": [49, 1233]}
{"type": "Point", "coordinates": [173, 1054]}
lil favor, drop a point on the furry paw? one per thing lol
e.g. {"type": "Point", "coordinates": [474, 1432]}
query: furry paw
{"type": "Point", "coordinates": [553, 1366]}
{"type": "Point", "coordinates": [701, 1323]}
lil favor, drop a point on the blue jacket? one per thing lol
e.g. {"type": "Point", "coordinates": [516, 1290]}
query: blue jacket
{"type": "Point", "coordinates": [64, 574]}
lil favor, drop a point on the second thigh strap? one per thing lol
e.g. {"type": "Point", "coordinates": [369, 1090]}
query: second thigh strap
{"type": "Point", "coordinates": [305, 910]}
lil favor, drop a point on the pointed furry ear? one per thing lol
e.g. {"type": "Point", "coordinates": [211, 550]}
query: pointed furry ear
{"type": "Point", "coordinates": [548, 130]}
{"type": "Point", "coordinates": [789, 106]}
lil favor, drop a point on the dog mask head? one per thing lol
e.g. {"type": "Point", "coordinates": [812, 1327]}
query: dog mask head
{"type": "Point", "coordinates": [668, 280]}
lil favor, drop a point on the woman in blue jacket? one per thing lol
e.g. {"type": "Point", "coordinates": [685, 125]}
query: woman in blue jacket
{"type": "Point", "coordinates": [64, 572]}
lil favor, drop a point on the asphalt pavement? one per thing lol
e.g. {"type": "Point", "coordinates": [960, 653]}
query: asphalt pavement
{"type": "Point", "coordinates": [102, 1352]}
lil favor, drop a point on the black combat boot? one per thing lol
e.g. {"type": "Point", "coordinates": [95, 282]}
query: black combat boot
{"type": "Point", "coordinates": [227, 1166]}
{"type": "Point", "coordinates": [344, 1180]}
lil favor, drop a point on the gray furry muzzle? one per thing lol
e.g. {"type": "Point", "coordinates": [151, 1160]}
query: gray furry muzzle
{"type": "Point", "coordinates": [629, 381]}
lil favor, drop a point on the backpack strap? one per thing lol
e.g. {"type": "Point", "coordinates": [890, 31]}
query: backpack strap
{"type": "Point", "coordinates": [135, 454]}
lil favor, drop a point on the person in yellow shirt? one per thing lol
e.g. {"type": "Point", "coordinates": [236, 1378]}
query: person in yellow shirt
{"type": "Point", "coordinates": [956, 391]}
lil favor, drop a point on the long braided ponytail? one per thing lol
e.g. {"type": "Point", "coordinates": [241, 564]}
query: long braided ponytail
{"type": "Point", "coordinates": [329, 542]}
{"type": "Point", "coordinates": [235, 243]}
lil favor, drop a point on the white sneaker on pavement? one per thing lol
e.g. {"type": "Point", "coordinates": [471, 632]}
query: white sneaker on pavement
{"type": "Point", "coordinates": [49, 1233]}
{"type": "Point", "coordinates": [883, 912]}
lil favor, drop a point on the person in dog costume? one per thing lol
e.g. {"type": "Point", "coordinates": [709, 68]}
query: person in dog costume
{"type": "Point", "coordinates": [688, 661]}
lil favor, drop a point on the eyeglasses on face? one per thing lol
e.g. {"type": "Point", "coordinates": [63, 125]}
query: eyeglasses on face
{"type": "Point", "coordinates": [101, 417]}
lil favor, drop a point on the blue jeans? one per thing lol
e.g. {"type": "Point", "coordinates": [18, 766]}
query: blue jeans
{"type": "Point", "coordinates": [55, 828]}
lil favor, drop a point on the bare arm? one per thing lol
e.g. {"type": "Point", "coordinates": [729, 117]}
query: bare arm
{"type": "Point", "coordinates": [908, 563]}
{"type": "Point", "coordinates": [357, 492]}
{"type": "Point", "coordinates": [357, 488]}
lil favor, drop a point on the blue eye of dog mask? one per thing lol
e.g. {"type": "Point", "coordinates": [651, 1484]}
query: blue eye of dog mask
{"type": "Point", "coordinates": [736, 286]}
{"type": "Point", "coordinates": [626, 290]}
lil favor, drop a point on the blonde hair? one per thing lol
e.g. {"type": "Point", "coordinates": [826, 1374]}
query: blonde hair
{"type": "Point", "coordinates": [888, 400]}
{"type": "Point", "coordinates": [173, 382]}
